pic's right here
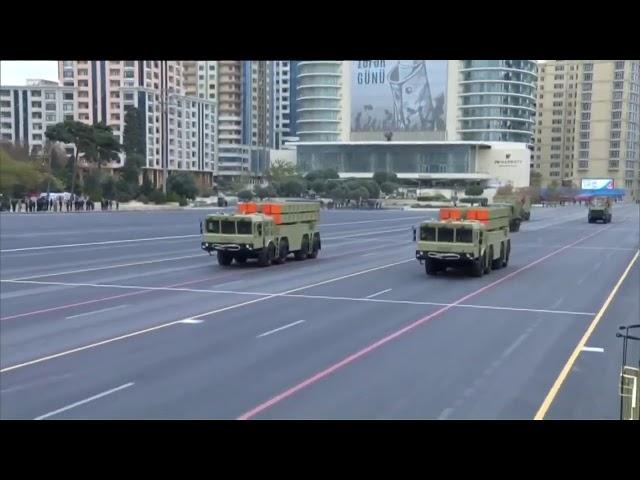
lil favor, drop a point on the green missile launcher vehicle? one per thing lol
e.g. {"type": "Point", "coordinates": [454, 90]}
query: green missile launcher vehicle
{"type": "Point", "coordinates": [268, 232]}
{"type": "Point", "coordinates": [474, 238]}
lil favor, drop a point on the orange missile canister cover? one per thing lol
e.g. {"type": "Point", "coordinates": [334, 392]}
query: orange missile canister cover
{"type": "Point", "coordinates": [450, 214]}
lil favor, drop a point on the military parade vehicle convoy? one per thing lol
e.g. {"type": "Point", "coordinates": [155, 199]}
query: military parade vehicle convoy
{"type": "Point", "coordinates": [473, 238]}
{"type": "Point", "coordinates": [267, 231]}
{"type": "Point", "coordinates": [599, 209]}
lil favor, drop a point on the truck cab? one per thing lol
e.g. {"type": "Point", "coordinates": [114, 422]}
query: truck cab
{"type": "Point", "coordinates": [599, 209]}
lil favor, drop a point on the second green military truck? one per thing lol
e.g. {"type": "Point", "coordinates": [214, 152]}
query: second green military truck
{"type": "Point", "coordinates": [520, 206]}
{"type": "Point", "coordinates": [268, 232]}
{"type": "Point", "coordinates": [599, 209]}
{"type": "Point", "coordinates": [475, 238]}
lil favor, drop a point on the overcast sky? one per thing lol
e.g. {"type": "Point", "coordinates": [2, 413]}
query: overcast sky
{"type": "Point", "coordinates": [17, 72]}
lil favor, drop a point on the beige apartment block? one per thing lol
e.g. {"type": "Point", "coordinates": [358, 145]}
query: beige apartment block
{"type": "Point", "coordinates": [587, 122]}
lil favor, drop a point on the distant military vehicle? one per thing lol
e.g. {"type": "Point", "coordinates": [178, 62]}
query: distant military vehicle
{"type": "Point", "coordinates": [599, 209]}
{"type": "Point", "coordinates": [476, 238]}
{"type": "Point", "coordinates": [268, 232]}
{"type": "Point", "coordinates": [520, 208]}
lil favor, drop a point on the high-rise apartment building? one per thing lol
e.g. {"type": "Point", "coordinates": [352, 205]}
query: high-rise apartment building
{"type": "Point", "coordinates": [598, 122]}
{"type": "Point", "coordinates": [106, 88]}
{"type": "Point", "coordinates": [242, 90]}
{"type": "Point", "coordinates": [26, 112]}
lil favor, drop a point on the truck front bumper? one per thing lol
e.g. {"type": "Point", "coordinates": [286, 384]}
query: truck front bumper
{"type": "Point", "coordinates": [226, 247]}
{"type": "Point", "coordinates": [445, 256]}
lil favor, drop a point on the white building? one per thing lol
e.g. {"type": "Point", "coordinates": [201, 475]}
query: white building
{"type": "Point", "coordinates": [27, 111]}
{"type": "Point", "coordinates": [284, 103]}
{"type": "Point", "coordinates": [183, 135]}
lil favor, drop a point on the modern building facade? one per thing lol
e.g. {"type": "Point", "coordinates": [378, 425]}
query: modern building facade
{"type": "Point", "coordinates": [422, 119]}
{"type": "Point", "coordinates": [320, 93]}
{"type": "Point", "coordinates": [591, 121]}
{"type": "Point", "coordinates": [284, 103]}
{"type": "Point", "coordinates": [27, 111]}
{"type": "Point", "coordinates": [496, 100]}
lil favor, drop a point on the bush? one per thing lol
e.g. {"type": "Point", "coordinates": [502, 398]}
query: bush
{"type": "Point", "coordinates": [183, 184]}
{"type": "Point", "coordinates": [141, 198]}
{"type": "Point", "coordinates": [473, 191]}
{"type": "Point", "coordinates": [173, 197]}
{"type": "Point", "coordinates": [245, 195]}
{"type": "Point", "coordinates": [124, 197]}
{"type": "Point", "coordinates": [183, 202]}
{"type": "Point", "coordinates": [388, 187]}
{"type": "Point", "coordinates": [157, 197]}
{"type": "Point", "coordinates": [432, 198]}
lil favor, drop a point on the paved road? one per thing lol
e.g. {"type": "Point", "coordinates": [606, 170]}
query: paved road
{"type": "Point", "coordinates": [120, 315]}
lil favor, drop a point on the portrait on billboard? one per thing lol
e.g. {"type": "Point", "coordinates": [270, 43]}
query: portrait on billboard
{"type": "Point", "coordinates": [398, 95]}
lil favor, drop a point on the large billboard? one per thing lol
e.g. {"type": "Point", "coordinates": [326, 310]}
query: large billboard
{"type": "Point", "coordinates": [398, 95]}
{"type": "Point", "coordinates": [597, 184]}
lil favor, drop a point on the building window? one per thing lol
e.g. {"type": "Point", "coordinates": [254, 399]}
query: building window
{"type": "Point", "coordinates": [584, 145]}
{"type": "Point", "coordinates": [128, 74]}
{"type": "Point", "coordinates": [618, 75]}
{"type": "Point", "coordinates": [129, 63]}
{"type": "Point", "coordinates": [615, 134]}
{"type": "Point", "coordinates": [614, 153]}
{"type": "Point", "coordinates": [618, 85]}
{"type": "Point", "coordinates": [557, 112]}
{"type": "Point", "coordinates": [614, 164]}
{"type": "Point", "coordinates": [67, 107]}
{"type": "Point", "coordinates": [587, 77]}
{"type": "Point", "coordinates": [619, 65]}
{"type": "Point", "coordinates": [615, 125]}
{"type": "Point", "coordinates": [587, 87]}
{"type": "Point", "coordinates": [586, 116]}
{"type": "Point", "coordinates": [616, 115]}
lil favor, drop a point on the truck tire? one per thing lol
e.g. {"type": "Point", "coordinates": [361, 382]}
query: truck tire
{"type": "Point", "coordinates": [487, 260]}
{"type": "Point", "coordinates": [515, 225]}
{"type": "Point", "coordinates": [431, 266]}
{"type": "Point", "coordinates": [266, 255]}
{"type": "Point", "coordinates": [507, 254]}
{"type": "Point", "coordinates": [224, 258]}
{"type": "Point", "coordinates": [283, 251]}
{"type": "Point", "coordinates": [526, 216]}
{"type": "Point", "coordinates": [499, 262]}
{"type": "Point", "coordinates": [304, 249]}
{"type": "Point", "coordinates": [477, 268]}
{"type": "Point", "coordinates": [315, 247]}
{"type": "Point", "coordinates": [240, 258]}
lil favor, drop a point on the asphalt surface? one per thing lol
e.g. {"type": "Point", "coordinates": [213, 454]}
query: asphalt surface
{"type": "Point", "coordinates": [120, 315]}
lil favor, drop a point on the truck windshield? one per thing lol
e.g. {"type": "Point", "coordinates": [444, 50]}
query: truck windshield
{"type": "Point", "coordinates": [244, 227]}
{"type": "Point", "coordinates": [228, 227]}
{"type": "Point", "coordinates": [213, 226]}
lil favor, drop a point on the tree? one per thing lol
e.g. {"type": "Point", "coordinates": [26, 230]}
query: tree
{"type": "Point", "coordinates": [245, 195]}
{"type": "Point", "coordinates": [372, 187]}
{"type": "Point", "coordinates": [265, 192]}
{"type": "Point", "coordinates": [17, 178]}
{"type": "Point", "coordinates": [388, 187]}
{"type": "Point", "coordinates": [97, 142]}
{"type": "Point", "coordinates": [292, 187]}
{"type": "Point", "coordinates": [319, 185]}
{"type": "Point", "coordinates": [280, 170]}
{"type": "Point", "coordinates": [359, 193]}
{"type": "Point", "coordinates": [133, 145]}
{"type": "Point", "coordinates": [473, 191]}
{"type": "Point", "coordinates": [381, 177]}
{"type": "Point", "coordinates": [183, 184]}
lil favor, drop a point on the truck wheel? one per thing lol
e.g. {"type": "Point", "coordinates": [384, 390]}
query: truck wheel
{"type": "Point", "coordinates": [224, 258]}
{"type": "Point", "coordinates": [487, 260]}
{"type": "Point", "coordinates": [266, 255]}
{"type": "Point", "coordinates": [499, 262]}
{"type": "Point", "coordinates": [304, 249]}
{"type": "Point", "coordinates": [315, 248]}
{"type": "Point", "coordinates": [507, 254]}
{"type": "Point", "coordinates": [283, 251]}
{"type": "Point", "coordinates": [477, 268]}
{"type": "Point", "coordinates": [516, 225]}
{"type": "Point", "coordinates": [240, 258]}
{"type": "Point", "coordinates": [431, 266]}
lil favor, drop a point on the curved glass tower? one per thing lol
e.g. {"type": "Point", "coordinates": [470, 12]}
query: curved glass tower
{"type": "Point", "coordinates": [496, 100]}
{"type": "Point", "coordinates": [319, 95]}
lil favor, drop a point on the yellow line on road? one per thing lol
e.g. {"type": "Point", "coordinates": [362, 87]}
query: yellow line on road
{"type": "Point", "coordinates": [542, 411]}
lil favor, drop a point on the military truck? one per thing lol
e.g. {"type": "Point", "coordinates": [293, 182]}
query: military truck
{"type": "Point", "coordinates": [268, 232]}
{"type": "Point", "coordinates": [520, 208]}
{"type": "Point", "coordinates": [599, 209]}
{"type": "Point", "coordinates": [474, 238]}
